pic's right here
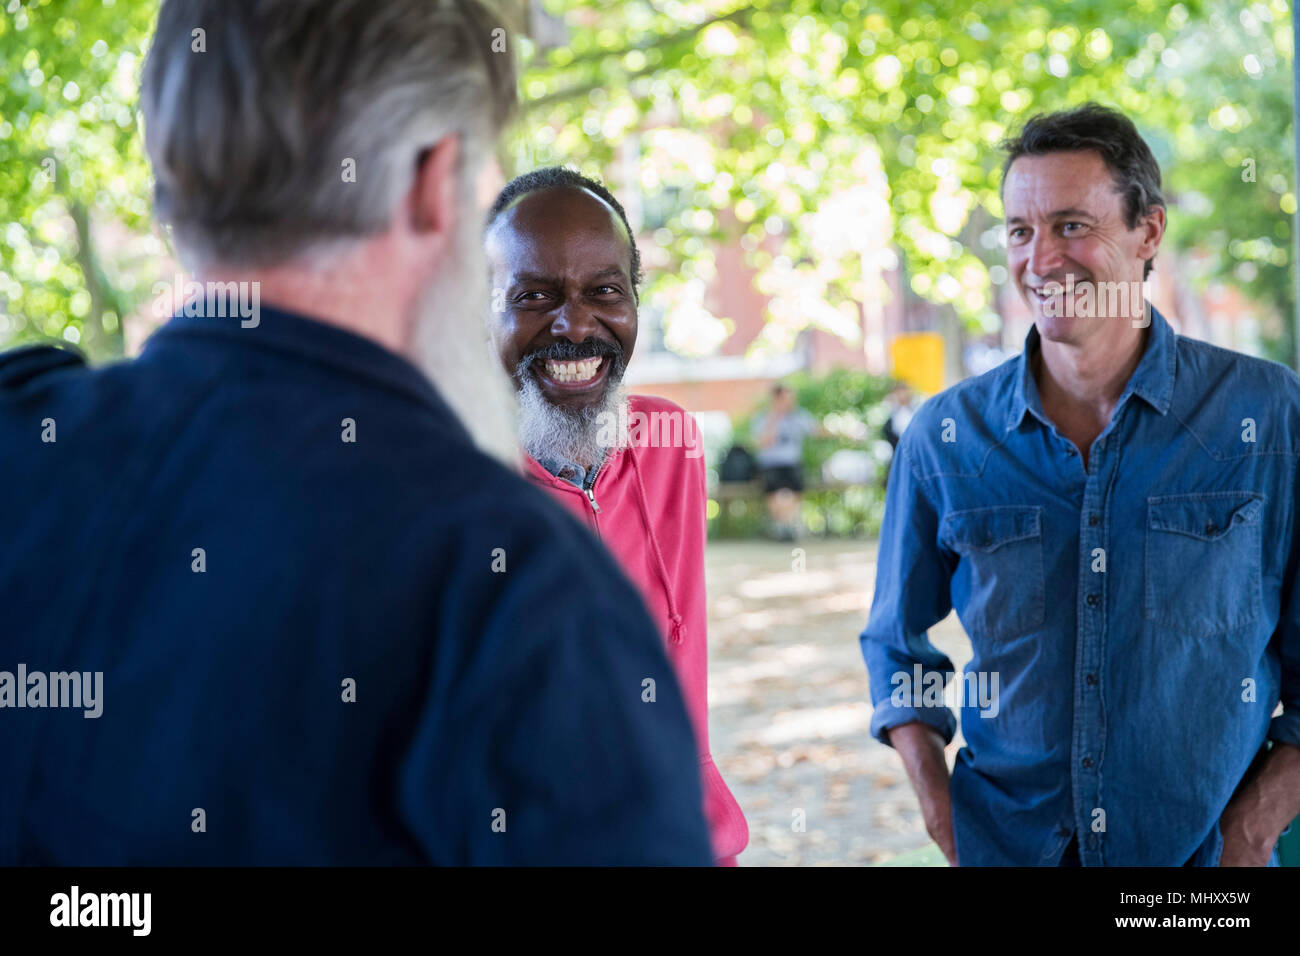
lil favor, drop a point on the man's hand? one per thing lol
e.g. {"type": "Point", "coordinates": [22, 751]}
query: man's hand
{"type": "Point", "coordinates": [921, 747]}
{"type": "Point", "coordinates": [1261, 809]}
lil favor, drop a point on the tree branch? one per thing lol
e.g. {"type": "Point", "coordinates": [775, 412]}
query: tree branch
{"type": "Point", "coordinates": [739, 16]}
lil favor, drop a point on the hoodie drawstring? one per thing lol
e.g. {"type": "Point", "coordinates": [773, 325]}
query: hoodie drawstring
{"type": "Point", "coordinates": [678, 627]}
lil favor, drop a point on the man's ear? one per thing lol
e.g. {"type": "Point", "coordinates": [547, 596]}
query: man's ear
{"type": "Point", "coordinates": [432, 200]}
{"type": "Point", "coordinates": [1153, 230]}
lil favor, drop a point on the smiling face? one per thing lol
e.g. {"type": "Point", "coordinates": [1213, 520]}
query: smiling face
{"type": "Point", "coordinates": [1066, 225]}
{"type": "Point", "coordinates": [561, 273]}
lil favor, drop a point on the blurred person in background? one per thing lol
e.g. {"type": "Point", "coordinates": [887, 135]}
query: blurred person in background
{"type": "Point", "coordinates": [902, 407]}
{"type": "Point", "coordinates": [779, 434]}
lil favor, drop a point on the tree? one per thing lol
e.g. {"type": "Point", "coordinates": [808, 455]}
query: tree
{"type": "Point", "coordinates": [72, 173]}
{"type": "Point", "coordinates": [760, 117]}
{"type": "Point", "coordinates": [787, 123]}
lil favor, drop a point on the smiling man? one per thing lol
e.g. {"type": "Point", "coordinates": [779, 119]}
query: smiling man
{"type": "Point", "coordinates": [565, 275]}
{"type": "Point", "coordinates": [1113, 516]}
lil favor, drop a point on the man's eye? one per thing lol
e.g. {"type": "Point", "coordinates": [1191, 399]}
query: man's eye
{"type": "Point", "coordinates": [524, 296]}
{"type": "Point", "coordinates": [1017, 233]}
{"type": "Point", "coordinates": [1070, 226]}
{"type": "Point", "coordinates": [607, 290]}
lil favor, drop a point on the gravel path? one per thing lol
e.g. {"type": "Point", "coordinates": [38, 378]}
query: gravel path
{"type": "Point", "coordinates": [789, 706]}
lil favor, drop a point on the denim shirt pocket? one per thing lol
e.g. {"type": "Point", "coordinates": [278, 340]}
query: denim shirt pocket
{"type": "Point", "coordinates": [1203, 561]}
{"type": "Point", "coordinates": [1002, 548]}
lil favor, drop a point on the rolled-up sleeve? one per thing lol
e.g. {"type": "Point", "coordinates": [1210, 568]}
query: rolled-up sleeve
{"type": "Point", "coordinates": [911, 596]}
{"type": "Point", "coordinates": [1286, 725]}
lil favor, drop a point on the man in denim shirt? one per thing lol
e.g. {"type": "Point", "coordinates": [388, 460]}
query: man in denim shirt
{"type": "Point", "coordinates": [1112, 514]}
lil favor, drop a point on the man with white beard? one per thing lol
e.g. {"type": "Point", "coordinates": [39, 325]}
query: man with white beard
{"type": "Point", "coordinates": [331, 629]}
{"type": "Point", "coordinates": [565, 273]}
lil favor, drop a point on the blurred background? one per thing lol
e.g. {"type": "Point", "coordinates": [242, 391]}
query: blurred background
{"type": "Point", "coordinates": [814, 186]}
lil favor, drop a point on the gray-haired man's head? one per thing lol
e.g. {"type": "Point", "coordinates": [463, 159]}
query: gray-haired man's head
{"type": "Point", "coordinates": [341, 141]}
{"type": "Point", "coordinates": [277, 125]}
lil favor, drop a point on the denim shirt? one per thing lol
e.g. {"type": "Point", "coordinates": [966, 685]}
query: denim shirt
{"type": "Point", "coordinates": [1134, 624]}
{"type": "Point", "coordinates": [567, 470]}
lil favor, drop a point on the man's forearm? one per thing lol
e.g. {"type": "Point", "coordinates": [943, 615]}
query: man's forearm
{"type": "Point", "coordinates": [1263, 807]}
{"type": "Point", "coordinates": [921, 748]}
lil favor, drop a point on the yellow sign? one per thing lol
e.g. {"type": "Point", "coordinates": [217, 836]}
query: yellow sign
{"type": "Point", "coordinates": [917, 358]}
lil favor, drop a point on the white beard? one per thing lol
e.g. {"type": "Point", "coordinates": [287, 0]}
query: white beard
{"type": "Point", "coordinates": [582, 436]}
{"type": "Point", "coordinates": [450, 344]}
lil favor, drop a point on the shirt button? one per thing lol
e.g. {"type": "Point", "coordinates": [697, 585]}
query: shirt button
{"type": "Point", "coordinates": [1211, 528]}
{"type": "Point", "coordinates": [1094, 600]}
{"type": "Point", "coordinates": [1071, 452]}
{"type": "Point", "coordinates": [1086, 762]}
{"type": "Point", "coordinates": [1094, 519]}
{"type": "Point", "coordinates": [1091, 678]}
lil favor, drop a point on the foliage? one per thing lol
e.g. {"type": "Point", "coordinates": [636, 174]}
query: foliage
{"type": "Point", "coordinates": [849, 405]}
{"type": "Point", "coordinates": [73, 181]}
{"type": "Point", "coordinates": [757, 116]}
{"type": "Point", "coordinates": [764, 120]}
{"type": "Point", "coordinates": [1231, 152]}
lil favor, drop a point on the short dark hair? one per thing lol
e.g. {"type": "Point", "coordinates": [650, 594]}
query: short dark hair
{"type": "Point", "coordinates": [1102, 130]}
{"type": "Point", "coordinates": [561, 177]}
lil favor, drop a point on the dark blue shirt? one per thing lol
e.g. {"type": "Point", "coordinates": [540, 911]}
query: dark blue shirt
{"type": "Point", "coordinates": [1134, 624]}
{"type": "Point", "coordinates": [386, 650]}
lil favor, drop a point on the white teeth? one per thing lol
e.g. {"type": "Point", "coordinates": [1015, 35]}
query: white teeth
{"type": "Point", "coordinates": [573, 372]}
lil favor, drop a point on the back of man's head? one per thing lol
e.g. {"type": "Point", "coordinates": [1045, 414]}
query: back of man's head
{"type": "Point", "coordinates": [276, 126]}
{"type": "Point", "coordinates": [294, 145]}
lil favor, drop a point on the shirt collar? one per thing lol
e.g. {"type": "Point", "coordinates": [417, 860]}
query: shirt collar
{"type": "Point", "coordinates": [1152, 380]}
{"type": "Point", "coordinates": [564, 469]}
{"type": "Point", "coordinates": [315, 341]}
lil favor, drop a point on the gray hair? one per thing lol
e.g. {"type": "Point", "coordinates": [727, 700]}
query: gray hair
{"type": "Point", "coordinates": [255, 110]}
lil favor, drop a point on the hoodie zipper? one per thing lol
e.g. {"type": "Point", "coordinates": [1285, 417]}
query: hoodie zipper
{"type": "Point", "coordinates": [589, 489]}
{"type": "Point", "coordinates": [677, 629]}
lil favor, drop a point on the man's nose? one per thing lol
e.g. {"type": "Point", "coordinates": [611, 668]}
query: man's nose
{"type": "Point", "coordinates": [574, 322]}
{"type": "Point", "coordinates": [1046, 253]}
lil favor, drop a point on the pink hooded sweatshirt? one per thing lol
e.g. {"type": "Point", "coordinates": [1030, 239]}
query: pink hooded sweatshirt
{"type": "Point", "coordinates": [648, 508]}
